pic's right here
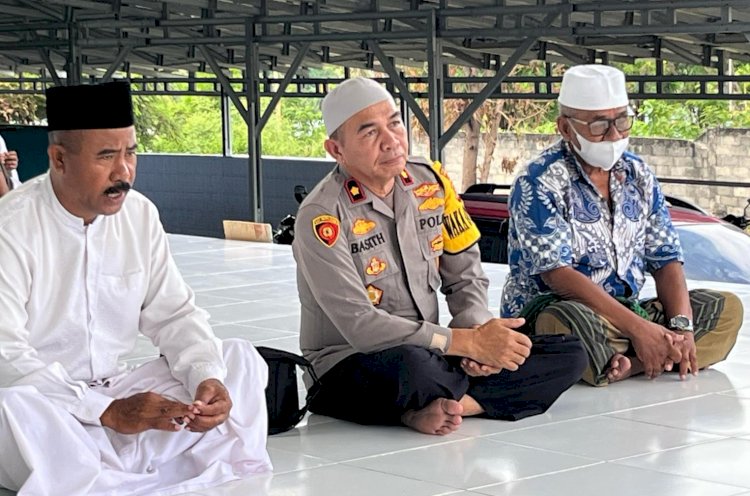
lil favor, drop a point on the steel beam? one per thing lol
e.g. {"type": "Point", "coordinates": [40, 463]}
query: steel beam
{"type": "Point", "coordinates": [491, 86]}
{"type": "Point", "coordinates": [121, 56]}
{"type": "Point", "coordinates": [403, 89]}
{"type": "Point", "coordinates": [50, 67]}
{"type": "Point", "coordinates": [225, 83]}
{"type": "Point", "coordinates": [282, 87]}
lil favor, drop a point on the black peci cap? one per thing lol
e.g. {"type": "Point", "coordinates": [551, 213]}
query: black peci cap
{"type": "Point", "coordinates": [95, 106]}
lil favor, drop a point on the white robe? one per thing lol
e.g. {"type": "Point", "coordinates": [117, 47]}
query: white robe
{"type": "Point", "coordinates": [73, 299]}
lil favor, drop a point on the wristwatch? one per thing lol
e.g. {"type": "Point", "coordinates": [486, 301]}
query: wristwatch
{"type": "Point", "coordinates": [681, 323]}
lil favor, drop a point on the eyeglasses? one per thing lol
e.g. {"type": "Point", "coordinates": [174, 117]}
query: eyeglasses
{"type": "Point", "coordinates": [600, 127]}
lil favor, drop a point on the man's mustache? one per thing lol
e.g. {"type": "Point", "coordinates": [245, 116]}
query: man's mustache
{"type": "Point", "coordinates": [118, 186]}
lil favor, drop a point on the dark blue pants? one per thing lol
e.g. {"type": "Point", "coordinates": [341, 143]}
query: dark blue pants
{"type": "Point", "coordinates": [377, 388]}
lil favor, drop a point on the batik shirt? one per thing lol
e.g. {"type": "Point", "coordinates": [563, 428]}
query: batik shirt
{"type": "Point", "coordinates": [559, 219]}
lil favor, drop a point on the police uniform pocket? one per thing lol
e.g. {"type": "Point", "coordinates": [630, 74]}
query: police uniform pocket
{"type": "Point", "coordinates": [432, 248]}
{"type": "Point", "coordinates": [377, 265]}
{"type": "Point", "coordinates": [379, 273]}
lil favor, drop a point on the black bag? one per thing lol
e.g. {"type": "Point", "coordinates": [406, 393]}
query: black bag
{"type": "Point", "coordinates": [281, 393]}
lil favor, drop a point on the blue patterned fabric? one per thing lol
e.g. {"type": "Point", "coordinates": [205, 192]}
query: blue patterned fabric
{"type": "Point", "coordinates": [559, 219]}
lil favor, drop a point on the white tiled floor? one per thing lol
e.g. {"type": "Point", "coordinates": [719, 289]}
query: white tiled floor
{"type": "Point", "coordinates": [662, 437]}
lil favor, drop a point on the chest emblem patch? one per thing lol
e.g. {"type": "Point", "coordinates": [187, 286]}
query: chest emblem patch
{"type": "Point", "coordinates": [363, 226]}
{"type": "Point", "coordinates": [375, 294]}
{"type": "Point", "coordinates": [431, 204]}
{"type": "Point", "coordinates": [375, 267]}
{"type": "Point", "coordinates": [326, 229]}
{"type": "Point", "coordinates": [426, 190]}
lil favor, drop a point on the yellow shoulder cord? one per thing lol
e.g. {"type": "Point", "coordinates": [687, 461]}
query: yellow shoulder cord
{"type": "Point", "coordinates": [459, 231]}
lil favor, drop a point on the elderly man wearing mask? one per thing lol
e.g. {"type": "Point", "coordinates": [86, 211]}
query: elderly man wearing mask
{"type": "Point", "coordinates": [588, 220]}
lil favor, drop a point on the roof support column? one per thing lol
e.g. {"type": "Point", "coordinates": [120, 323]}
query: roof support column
{"type": "Point", "coordinates": [435, 86]}
{"type": "Point", "coordinates": [249, 114]}
{"type": "Point", "coordinates": [252, 117]}
{"type": "Point", "coordinates": [73, 64]}
{"type": "Point", "coordinates": [226, 125]}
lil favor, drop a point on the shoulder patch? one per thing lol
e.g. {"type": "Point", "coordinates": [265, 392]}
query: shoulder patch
{"type": "Point", "coordinates": [355, 191]}
{"type": "Point", "coordinates": [326, 229]}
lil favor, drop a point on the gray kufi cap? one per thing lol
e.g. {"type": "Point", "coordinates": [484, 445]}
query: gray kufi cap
{"type": "Point", "coordinates": [350, 97]}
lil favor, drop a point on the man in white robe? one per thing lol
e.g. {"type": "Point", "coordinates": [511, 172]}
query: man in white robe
{"type": "Point", "coordinates": [86, 267]}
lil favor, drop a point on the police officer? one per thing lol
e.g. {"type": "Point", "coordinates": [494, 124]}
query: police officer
{"type": "Point", "coordinates": [375, 240]}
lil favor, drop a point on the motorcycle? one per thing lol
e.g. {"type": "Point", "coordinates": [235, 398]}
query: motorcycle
{"type": "Point", "coordinates": [743, 222]}
{"type": "Point", "coordinates": [284, 233]}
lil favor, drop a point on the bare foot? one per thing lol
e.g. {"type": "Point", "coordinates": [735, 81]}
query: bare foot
{"type": "Point", "coordinates": [619, 368]}
{"type": "Point", "coordinates": [440, 417]}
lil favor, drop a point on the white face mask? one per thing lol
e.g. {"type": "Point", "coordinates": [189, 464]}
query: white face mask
{"type": "Point", "coordinates": [602, 154]}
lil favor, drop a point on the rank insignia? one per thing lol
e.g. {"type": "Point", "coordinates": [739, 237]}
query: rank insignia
{"type": "Point", "coordinates": [363, 226]}
{"type": "Point", "coordinates": [375, 267]}
{"type": "Point", "coordinates": [437, 243]}
{"type": "Point", "coordinates": [326, 229]}
{"type": "Point", "coordinates": [375, 294]}
{"type": "Point", "coordinates": [406, 178]}
{"type": "Point", "coordinates": [426, 190]}
{"type": "Point", "coordinates": [431, 204]}
{"type": "Point", "coordinates": [355, 191]}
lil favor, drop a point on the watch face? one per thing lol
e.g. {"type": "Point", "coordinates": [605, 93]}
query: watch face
{"type": "Point", "coordinates": [680, 322]}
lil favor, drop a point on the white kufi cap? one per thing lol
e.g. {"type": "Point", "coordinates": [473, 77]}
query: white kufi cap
{"type": "Point", "coordinates": [350, 97]}
{"type": "Point", "coordinates": [593, 87]}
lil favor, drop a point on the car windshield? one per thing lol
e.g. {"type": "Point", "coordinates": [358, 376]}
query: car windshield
{"type": "Point", "coordinates": [714, 252]}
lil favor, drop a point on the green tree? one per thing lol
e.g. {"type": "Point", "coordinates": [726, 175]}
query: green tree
{"type": "Point", "coordinates": [20, 108]}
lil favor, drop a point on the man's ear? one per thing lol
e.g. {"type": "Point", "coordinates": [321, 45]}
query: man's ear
{"type": "Point", "coordinates": [56, 154]}
{"type": "Point", "coordinates": [334, 149]}
{"type": "Point", "coordinates": [563, 127]}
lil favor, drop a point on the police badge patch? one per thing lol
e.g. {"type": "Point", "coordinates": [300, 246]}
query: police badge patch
{"type": "Point", "coordinates": [376, 266]}
{"type": "Point", "coordinates": [326, 229]}
{"type": "Point", "coordinates": [431, 204]}
{"type": "Point", "coordinates": [375, 294]}
{"type": "Point", "coordinates": [363, 226]}
{"type": "Point", "coordinates": [426, 190]}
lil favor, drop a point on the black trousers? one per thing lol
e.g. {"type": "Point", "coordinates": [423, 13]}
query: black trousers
{"type": "Point", "coordinates": [377, 388]}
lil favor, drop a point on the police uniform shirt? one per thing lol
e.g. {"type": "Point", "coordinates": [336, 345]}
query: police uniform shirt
{"type": "Point", "coordinates": [368, 273]}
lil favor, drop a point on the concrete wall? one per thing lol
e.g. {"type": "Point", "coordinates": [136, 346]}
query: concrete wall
{"type": "Point", "coordinates": [194, 193]}
{"type": "Point", "coordinates": [717, 155]}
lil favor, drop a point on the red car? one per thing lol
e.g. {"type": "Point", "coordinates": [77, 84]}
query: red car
{"type": "Point", "coordinates": [714, 250]}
